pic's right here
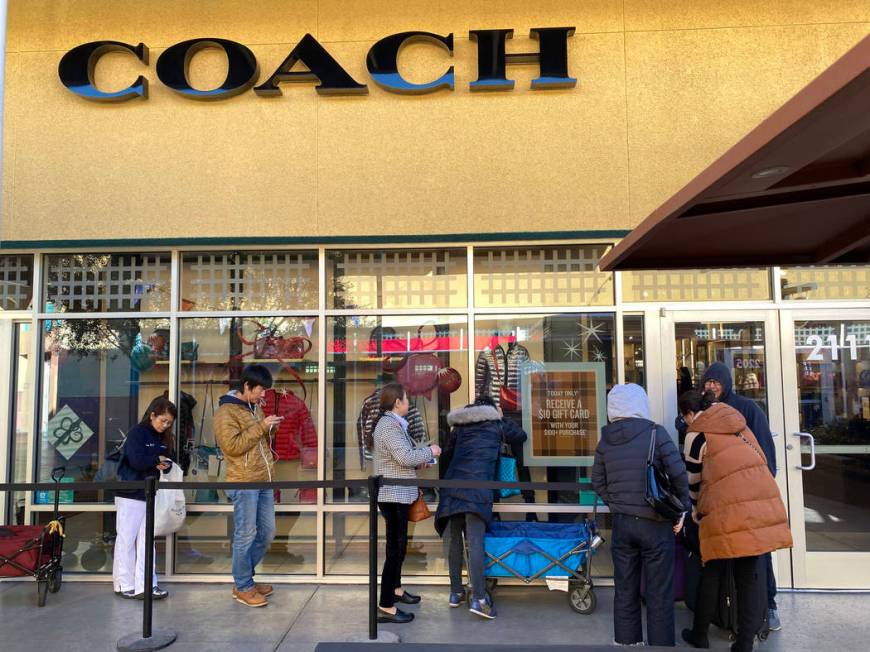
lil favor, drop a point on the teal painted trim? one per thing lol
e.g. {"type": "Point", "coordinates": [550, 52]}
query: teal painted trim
{"type": "Point", "coordinates": [306, 240]}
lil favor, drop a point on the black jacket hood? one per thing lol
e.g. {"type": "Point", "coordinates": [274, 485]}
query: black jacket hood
{"type": "Point", "coordinates": [718, 371]}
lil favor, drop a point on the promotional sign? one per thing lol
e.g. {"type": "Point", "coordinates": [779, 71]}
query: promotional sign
{"type": "Point", "coordinates": [564, 408]}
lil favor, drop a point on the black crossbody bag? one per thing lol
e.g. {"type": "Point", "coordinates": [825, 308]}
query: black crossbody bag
{"type": "Point", "coordinates": [659, 493]}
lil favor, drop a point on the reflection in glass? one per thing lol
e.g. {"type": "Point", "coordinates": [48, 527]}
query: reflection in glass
{"type": "Point", "coordinates": [632, 349]}
{"type": "Point", "coordinates": [107, 283]}
{"type": "Point", "coordinates": [204, 545]}
{"type": "Point", "coordinates": [566, 275]}
{"type": "Point", "coordinates": [833, 367]}
{"type": "Point", "coordinates": [400, 278]}
{"type": "Point", "coordinates": [98, 377]}
{"type": "Point", "coordinates": [818, 283]}
{"type": "Point", "coordinates": [214, 351]}
{"type": "Point", "coordinates": [504, 344]}
{"type": "Point", "coordinates": [23, 418]}
{"type": "Point", "coordinates": [16, 282]}
{"type": "Point", "coordinates": [347, 546]}
{"type": "Point", "coordinates": [249, 280]}
{"type": "Point", "coordinates": [739, 345]}
{"type": "Point", "coordinates": [697, 285]}
{"type": "Point", "coordinates": [89, 542]}
{"type": "Point", "coordinates": [428, 355]}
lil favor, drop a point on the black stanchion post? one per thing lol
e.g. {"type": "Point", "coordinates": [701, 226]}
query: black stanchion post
{"type": "Point", "coordinates": [151, 639]}
{"type": "Point", "coordinates": [374, 483]}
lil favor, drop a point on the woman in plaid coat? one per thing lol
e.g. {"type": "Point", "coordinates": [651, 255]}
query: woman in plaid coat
{"type": "Point", "coordinates": [395, 456]}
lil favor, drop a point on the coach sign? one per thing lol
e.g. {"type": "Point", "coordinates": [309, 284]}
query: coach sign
{"type": "Point", "coordinates": [563, 411]}
{"type": "Point", "coordinates": [76, 69]}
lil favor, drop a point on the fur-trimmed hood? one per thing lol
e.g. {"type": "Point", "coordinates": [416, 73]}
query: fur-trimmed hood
{"type": "Point", "coordinates": [473, 414]}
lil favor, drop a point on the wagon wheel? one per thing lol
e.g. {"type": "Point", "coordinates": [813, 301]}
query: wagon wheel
{"type": "Point", "coordinates": [582, 598]}
{"type": "Point", "coordinates": [55, 579]}
{"type": "Point", "coordinates": [41, 592]}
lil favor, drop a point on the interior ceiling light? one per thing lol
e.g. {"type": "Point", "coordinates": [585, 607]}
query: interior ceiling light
{"type": "Point", "coordinates": [775, 171]}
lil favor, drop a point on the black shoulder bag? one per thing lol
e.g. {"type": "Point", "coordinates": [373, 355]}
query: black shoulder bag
{"type": "Point", "coordinates": [659, 493]}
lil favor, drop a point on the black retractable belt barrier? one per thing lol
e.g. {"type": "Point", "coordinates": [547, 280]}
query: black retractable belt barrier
{"type": "Point", "coordinates": [155, 639]}
{"type": "Point", "coordinates": [150, 639]}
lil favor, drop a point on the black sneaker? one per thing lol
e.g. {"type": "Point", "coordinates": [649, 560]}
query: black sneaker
{"type": "Point", "coordinates": [408, 598]}
{"type": "Point", "coordinates": [127, 595]}
{"type": "Point", "coordinates": [156, 594]}
{"type": "Point", "coordinates": [695, 641]}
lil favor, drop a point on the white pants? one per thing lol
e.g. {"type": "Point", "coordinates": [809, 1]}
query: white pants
{"type": "Point", "coordinates": [128, 567]}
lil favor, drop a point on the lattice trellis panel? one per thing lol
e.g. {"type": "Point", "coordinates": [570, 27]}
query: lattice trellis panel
{"type": "Point", "coordinates": [542, 276]}
{"type": "Point", "coordinates": [846, 282]}
{"type": "Point", "coordinates": [16, 282]}
{"type": "Point", "coordinates": [119, 282]}
{"type": "Point", "coordinates": [283, 280]}
{"type": "Point", "coordinates": [399, 279]}
{"type": "Point", "coordinates": [697, 285]}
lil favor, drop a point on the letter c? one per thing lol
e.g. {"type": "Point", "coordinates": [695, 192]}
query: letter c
{"type": "Point", "coordinates": [383, 67]}
{"type": "Point", "coordinates": [76, 71]}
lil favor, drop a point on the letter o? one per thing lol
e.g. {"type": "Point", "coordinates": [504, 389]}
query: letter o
{"type": "Point", "coordinates": [242, 68]}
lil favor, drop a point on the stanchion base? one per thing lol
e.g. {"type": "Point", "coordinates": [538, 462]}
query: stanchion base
{"type": "Point", "coordinates": [160, 638]}
{"type": "Point", "coordinates": [383, 637]}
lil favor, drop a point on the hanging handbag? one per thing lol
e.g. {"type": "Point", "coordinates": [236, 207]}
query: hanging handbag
{"type": "Point", "coordinates": [508, 398]}
{"type": "Point", "coordinates": [108, 471]}
{"type": "Point", "coordinates": [659, 493]}
{"type": "Point", "coordinates": [506, 469]}
{"type": "Point", "coordinates": [419, 510]}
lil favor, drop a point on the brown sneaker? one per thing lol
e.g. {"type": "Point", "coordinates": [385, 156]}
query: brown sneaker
{"type": "Point", "coordinates": [249, 598]}
{"type": "Point", "coordinates": [264, 589]}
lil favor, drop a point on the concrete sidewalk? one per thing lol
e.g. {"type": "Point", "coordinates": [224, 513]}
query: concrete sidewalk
{"type": "Point", "coordinates": [87, 616]}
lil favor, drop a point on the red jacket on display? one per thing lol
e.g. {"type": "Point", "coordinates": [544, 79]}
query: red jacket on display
{"type": "Point", "coordinates": [296, 437]}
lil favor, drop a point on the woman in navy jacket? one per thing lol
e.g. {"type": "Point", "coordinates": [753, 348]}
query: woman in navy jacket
{"type": "Point", "coordinates": [145, 455]}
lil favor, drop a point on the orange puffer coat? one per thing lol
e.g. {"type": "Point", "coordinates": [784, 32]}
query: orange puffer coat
{"type": "Point", "coordinates": [742, 513]}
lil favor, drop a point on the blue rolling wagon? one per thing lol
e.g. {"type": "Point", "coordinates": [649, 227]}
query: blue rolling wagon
{"type": "Point", "coordinates": [560, 553]}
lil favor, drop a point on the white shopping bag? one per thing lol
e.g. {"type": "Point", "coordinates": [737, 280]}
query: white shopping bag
{"type": "Point", "coordinates": [170, 509]}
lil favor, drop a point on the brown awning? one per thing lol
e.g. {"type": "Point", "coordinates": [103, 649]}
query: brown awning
{"type": "Point", "coordinates": [794, 191]}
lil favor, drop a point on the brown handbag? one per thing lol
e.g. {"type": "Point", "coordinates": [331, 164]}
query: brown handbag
{"type": "Point", "coordinates": [419, 510]}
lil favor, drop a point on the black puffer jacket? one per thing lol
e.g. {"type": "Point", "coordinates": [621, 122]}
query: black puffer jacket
{"type": "Point", "coordinates": [619, 470]}
{"type": "Point", "coordinates": [472, 454]}
{"type": "Point", "coordinates": [755, 417]}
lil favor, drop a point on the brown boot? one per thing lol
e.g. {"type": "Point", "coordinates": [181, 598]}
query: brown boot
{"type": "Point", "coordinates": [250, 598]}
{"type": "Point", "coordinates": [264, 589]}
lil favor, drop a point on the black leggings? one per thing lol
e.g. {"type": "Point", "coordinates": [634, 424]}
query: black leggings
{"type": "Point", "coordinates": [396, 516]}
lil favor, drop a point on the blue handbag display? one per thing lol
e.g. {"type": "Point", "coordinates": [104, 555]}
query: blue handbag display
{"type": "Point", "coordinates": [506, 469]}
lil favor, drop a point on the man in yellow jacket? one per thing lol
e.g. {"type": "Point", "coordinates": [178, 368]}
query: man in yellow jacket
{"type": "Point", "coordinates": [243, 434]}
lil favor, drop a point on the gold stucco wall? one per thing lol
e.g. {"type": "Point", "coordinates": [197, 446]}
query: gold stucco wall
{"type": "Point", "coordinates": [664, 88]}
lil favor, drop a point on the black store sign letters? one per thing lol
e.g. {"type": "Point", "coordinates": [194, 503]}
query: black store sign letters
{"type": "Point", "coordinates": [76, 69]}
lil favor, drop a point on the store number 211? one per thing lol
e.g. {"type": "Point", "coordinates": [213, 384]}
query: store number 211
{"type": "Point", "coordinates": [818, 343]}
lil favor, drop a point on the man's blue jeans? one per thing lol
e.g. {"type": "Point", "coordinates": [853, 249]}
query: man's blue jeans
{"type": "Point", "coordinates": [253, 531]}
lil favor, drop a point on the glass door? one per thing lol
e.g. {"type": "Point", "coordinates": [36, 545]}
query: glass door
{"type": "Point", "coordinates": [745, 341]}
{"type": "Point", "coordinates": [826, 371]}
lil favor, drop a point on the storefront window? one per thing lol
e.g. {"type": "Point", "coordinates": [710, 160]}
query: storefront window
{"type": "Point", "coordinates": [400, 278]}
{"type": "Point", "coordinates": [847, 282]}
{"type": "Point", "coordinates": [98, 377]}
{"type": "Point", "coordinates": [107, 283]}
{"type": "Point", "coordinates": [509, 277]}
{"type": "Point", "coordinates": [833, 368]}
{"type": "Point", "coordinates": [550, 374]}
{"type": "Point", "coordinates": [428, 355]}
{"type": "Point", "coordinates": [697, 285]}
{"type": "Point", "coordinates": [89, 542]}
{"type": "Point", "coordinates": [213, 353]}
{"type": "Point", "coordinates": [16, 282]}
{"type": "Point", "coordinates": [203, 546]}
{"type": "Point", "coordinates": [271, 280]}
{"type": "Point", "coordinates": [347, 546]}
{"type": "Point", "coordinates": [632, 349]}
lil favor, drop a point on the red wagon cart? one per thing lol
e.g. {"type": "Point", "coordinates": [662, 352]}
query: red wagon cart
{"type": "Point", "coordinates": [35, 550]}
